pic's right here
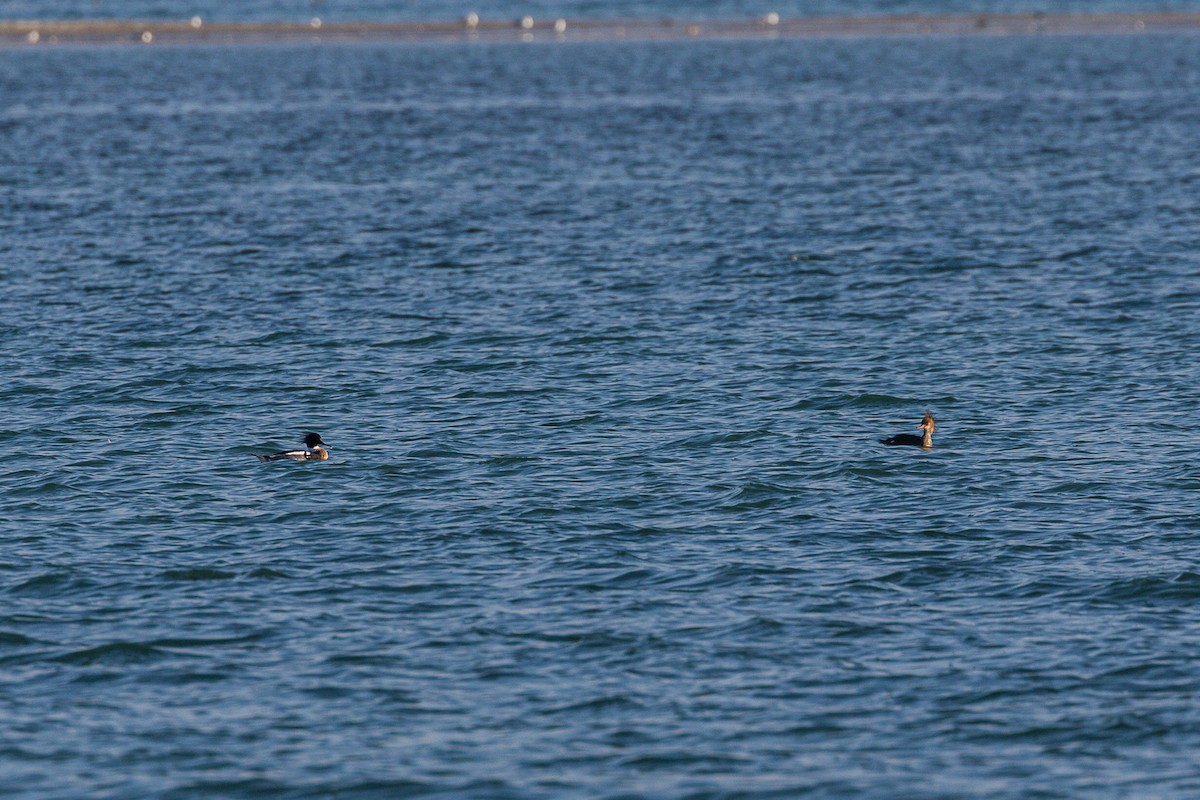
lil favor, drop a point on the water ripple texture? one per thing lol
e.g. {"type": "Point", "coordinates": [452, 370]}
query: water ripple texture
{"type": "Point", "coordinates": [603, 337]}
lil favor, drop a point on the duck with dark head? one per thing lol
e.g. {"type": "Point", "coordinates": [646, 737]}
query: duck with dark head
{"type": "Point", "coordinates": [925, 441]}
{"type": "Point", "coordinates": [315, 450]}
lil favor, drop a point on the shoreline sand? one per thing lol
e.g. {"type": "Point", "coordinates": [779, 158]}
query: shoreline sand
{"type": "Point", "coordinates": [196, 30]}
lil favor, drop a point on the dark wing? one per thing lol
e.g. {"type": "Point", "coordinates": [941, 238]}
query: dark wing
{"type": "Point", "coordinates": [903, 438]}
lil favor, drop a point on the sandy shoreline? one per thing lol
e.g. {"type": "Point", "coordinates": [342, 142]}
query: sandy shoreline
{"type": "Point", "coordinates": [42, 32]}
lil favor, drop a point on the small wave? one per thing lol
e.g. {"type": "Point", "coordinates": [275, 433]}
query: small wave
{"type": "Point", "coordinates": [267, 572]}
{"type": "Point", "coordinates": [52, 583]}
{"type": "Point", "coordinates": [1102, 730]}
{"type": "Point", "coordinates": [814, 299]}
{"type": "Point", "coordinates": [418, 341]}
{"type": "Point", "coordinates": [1071, 255]}
{"type": "Point", "coordinates": [754, 626]}
{"type": "Point", "coordinates": [854, 629]}
{"type": "Point", "coordinates": [8, 639]}
{"type": "Point", "coordinates": [508, 460]}
{"type": "Point", "coordinates": [595, 704]}
{"type": "Point", "coordinates": [267, 788]}
{"type": "Point", "coordinates": [437, 452]}
{"type": "Point", "coordinates": [211, 642]}
{"type": "Point", "coordinates": [1087, 488]}
{"type": "Point", "coordinates": [498, 394]}
{"type": "Point", "coordinates": [686, 759]}
{"type": "Point", "coordinates": [187, 678]}
{"type": "Point", "coordinates": [923, 575]}
{"type": "Point", "coordinates": [744, 574]}
{"type": "Point", "coordinates": [198, 574]}
{"type": "Point", "coordinates": [601, 579]}
{"type": "Point", "coordinates": [46, 489]}
{"type": "Point", "coordinates": [571, 422]}
{"type": "Point", "coordinates": [274, 338]}
{"type": "Point", "coordinates": [364, 660]}
{"type": "Point", "coordinates": [593, 339]}
{"type": "Point", "coordinates": [447, 264]}
{"type": "Point", "coordinates": [867, 400]}
{"type": "Point", "coordinates": [114, 653]}
{"type": "Point", "coordinates": [472, 367]}
{"type": "Point", "coordinates": [704, 440]}
{"type": "Point", "coordinates": [836, 401]}
{"type": "Point", "coordinates": [757, 495]}
{"type": "Point", "coordinates": [1184, 587]}
{"type": "Point", "coordinates": [583, 640]}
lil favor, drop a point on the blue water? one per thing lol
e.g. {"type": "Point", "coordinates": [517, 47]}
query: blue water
{"type": "Point", "coordinates": [413, 10]}
{"type": "Point", "coordinates": [603, 337]}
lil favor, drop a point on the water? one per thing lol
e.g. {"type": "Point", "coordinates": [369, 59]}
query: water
{"type": "Point", "coordinates": [603, 336]}
{"type": "Point", "coordinates": [410, 10]}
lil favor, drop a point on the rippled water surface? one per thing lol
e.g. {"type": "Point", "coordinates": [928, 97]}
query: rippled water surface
{"type": "Point", "coordinates": [603, 337]}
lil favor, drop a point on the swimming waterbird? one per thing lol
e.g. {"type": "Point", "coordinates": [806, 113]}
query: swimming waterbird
{"type": "Point", "coordinates": [315, 450]}
{"type": "Point", "coordinates": [926, 441]}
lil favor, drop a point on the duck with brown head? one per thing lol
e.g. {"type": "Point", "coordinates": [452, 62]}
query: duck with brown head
{"type": "Point", "coordinates": [925, 441]}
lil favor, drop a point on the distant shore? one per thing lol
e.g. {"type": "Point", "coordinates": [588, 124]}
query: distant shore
{"type": "Point", "coordinates": [197, 30]}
